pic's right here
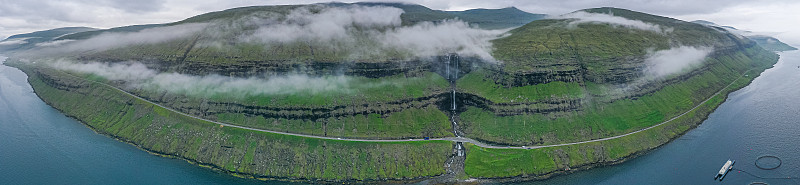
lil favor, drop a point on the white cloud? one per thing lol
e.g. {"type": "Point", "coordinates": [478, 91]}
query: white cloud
{"type": "Point", "coordinates": [674, 60]}
{"type": "Point", "coordinates": [777, 19]}
{"type": "Point", "coordinates": [54, 43]}
{"type": "Point", "coordinates": [137, 75]}
{"type": "Point", "coordinates": [326, 25]}
{"type": "Point", "coordinates": [33, 15]}
{"type": "Point", "coordinates": [14, 41]}
{"type": "Point", "coordinates": [112, 40]}
{"type": "Point", "coordinates": [585, 17]}
{"type": "Point", "coordinates": [368, 31]}
{"type": "Point", "coordinates": [428, 39]}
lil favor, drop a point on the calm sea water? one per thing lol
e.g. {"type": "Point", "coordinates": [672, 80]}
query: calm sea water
{"type": "Point", "coordinates": [38, 145]}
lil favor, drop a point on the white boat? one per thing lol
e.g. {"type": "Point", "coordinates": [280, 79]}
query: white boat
{"type": "Point", "coordinates": [724, 170]}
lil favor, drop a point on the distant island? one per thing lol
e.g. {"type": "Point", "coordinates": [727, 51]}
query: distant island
{"type": "Point", "coordinates": [766, 42]}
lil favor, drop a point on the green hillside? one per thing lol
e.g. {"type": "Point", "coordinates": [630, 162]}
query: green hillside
{"type": "Point", "coordinates": [559, 80]}
{"type": "Point", "coordinates": [591, 74]}
{"type": "Point", "coordinates": [562, 83]}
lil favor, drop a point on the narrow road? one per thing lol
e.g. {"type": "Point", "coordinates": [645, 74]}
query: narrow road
{"type": "Point", "coordinates": [612, 137]}
{"type": "Point", "coordinates": [454, 139]}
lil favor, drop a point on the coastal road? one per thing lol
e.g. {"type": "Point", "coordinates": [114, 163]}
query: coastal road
{"type": "Point", "coordinates": [454, 139]}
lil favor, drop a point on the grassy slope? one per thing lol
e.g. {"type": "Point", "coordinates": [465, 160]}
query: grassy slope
{"type": "Point", "coordinates": [549, 45]}
{"type": "Point", "coordinates": [359, 90]}
{"type": "Point", "coordinates": [476, 83]}
{"type": "Point", "coordinates": [408, 123]}
{"type": "Point", "coordinates": [427, 121]}
{"type": "Point", "coordinates": [599, 53]}
{"type": "Point", "coordinates": [482, 162]}
{"type": "Point", "coordinates": [601, 119]}
{"type": "Point", "coordinates": [234, 150]}
{"type": "Point", "coordinates": [596, 51]}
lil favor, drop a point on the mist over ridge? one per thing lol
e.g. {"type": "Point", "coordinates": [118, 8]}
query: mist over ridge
{"type": "Point", "coordinates": [138, 76]}
{"type": "Point", "coordinates": [595, 18]}
{"type": "Point", "coordinates": [365, 32]}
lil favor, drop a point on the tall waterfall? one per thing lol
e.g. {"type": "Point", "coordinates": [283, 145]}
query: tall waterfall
{"type": "Point", "coordinates": [454, 99]}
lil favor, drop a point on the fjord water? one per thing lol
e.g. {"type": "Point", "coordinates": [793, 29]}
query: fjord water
{"type": "Point", "coordinates": [39, 145]}
{"type": "Point", "coordinates": [760, 119]}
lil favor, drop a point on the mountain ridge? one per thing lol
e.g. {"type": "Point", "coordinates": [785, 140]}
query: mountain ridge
{"type": "Point", "coordinates": [429, 14]}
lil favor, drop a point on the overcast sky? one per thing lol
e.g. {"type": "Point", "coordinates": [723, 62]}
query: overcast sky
{"type": "Point", "coordinates": [774, 17]}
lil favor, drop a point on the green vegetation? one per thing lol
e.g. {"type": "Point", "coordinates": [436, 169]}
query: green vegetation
{"type": "Point", "coordinates": [612, 101]}
{"type": "Point", "coordinates": [548, 161]}
{"type": "Point", "coordinates": [478, 84]}
{"type": "Point", "coordinates": [551, 46]}
{"type": "Point", "coordinates": [486, 162]}
{"type": "Point", "coordinates": [357, 90]}
{"type": "Point", "coordinates": [408, 123]}
{"type": "Point", "coordinates": [363, 110]}
{"type": "Point", "coordinates": [599, 119]}
{"type": "Point", "coordinates": [389, 107]}
{"type": "Point", "coordinates": [246, 152]}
